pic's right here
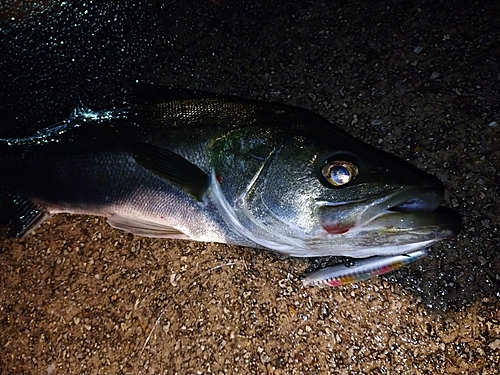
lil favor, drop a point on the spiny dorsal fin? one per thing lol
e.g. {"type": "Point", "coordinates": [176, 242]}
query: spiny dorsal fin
{"type": "Point", "coordinates": [172, 167]}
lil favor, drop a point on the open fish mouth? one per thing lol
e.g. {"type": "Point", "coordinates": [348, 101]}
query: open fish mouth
{"type": "Point", "coordinates": [402, 210]}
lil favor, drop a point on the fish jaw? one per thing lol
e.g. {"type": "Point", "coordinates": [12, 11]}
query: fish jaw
{"type": "Point", "coordinates": [338, 218]}
{"type": "Point", "coordinates": [406, 220]}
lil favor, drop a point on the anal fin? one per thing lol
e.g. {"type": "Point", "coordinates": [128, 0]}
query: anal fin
{"type": "Point", "coordinates": [19, 216]}
{"type": "Point", "coordinates": [144, 228]}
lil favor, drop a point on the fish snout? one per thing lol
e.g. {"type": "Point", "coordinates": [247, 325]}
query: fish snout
{"type": "Point", "coordinates": [425, 198]}
{"type": "Point", "coordinates": [415, 206]}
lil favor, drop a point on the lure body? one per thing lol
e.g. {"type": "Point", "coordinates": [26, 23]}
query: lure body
{"type": "Point", "coordinates": [361, 269]}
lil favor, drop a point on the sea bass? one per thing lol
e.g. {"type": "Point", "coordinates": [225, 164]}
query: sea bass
{"type": "Point", "coordinates": [216, 168]}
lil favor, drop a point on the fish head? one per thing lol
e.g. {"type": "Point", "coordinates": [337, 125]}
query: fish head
{"type": "Point", "coordinates": [309, 189]}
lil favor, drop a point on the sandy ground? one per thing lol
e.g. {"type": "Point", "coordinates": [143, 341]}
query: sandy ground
{"type": "Point", "coordinates": [78, 297]}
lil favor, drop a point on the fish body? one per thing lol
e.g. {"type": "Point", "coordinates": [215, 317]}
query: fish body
{"type": "Point", "coordinates": [223, 169]}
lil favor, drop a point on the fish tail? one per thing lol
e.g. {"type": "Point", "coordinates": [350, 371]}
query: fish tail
{"type": "Point", "coordinates": [18, 214]}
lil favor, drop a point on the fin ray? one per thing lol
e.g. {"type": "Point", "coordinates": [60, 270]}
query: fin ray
{"type": "Point", "coordinates": [144, 228]}
{"type": "Point", "coordinates": [172, 167]}
{"type": "Point", "coordinates": [19, 216]}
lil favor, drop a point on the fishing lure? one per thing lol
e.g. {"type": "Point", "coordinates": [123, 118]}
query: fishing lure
{"type": "Point", "coordinates": [342, 274]}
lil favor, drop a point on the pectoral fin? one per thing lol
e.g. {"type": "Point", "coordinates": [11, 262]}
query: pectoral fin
{"type": "Point", "coordinates": [172, 167]}
{"type": "Point", "coordinates": [145, 228]}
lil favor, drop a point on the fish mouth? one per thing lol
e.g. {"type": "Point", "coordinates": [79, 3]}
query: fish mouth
{"type": "Point", "coordinates": [415, 209]}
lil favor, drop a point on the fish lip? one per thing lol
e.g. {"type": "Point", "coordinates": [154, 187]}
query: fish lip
{"type": "Point", "coordinates": [443, 222]}
{"type": "Point", "coordinates": [406, 208]}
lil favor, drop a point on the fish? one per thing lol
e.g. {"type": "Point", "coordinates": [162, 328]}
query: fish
{"type": "Point", "coordinates": [213, 168]}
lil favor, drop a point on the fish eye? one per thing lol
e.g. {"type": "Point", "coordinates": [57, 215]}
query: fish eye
{"type": "Point", "coordinates": [339, 172]}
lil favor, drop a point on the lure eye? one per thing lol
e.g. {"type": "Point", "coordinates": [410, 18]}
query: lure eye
{"type": "Point", "coordinates": [339, 173]}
